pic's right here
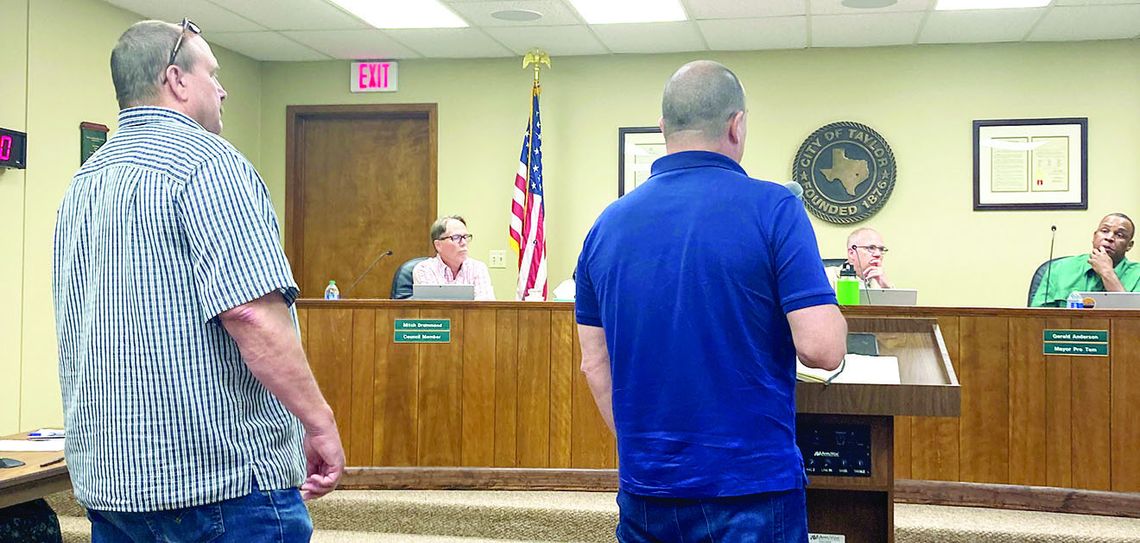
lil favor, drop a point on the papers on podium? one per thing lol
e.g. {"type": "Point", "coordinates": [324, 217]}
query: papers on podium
{"type": "Point", "coordinates": [855, 368]}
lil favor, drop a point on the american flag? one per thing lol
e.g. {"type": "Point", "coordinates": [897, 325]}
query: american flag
{"type": "Point", "coordinates": [528, 214]}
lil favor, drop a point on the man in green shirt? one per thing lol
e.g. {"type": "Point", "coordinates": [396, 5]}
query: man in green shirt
{"type": "Point", "coordinates": [1103, 270]}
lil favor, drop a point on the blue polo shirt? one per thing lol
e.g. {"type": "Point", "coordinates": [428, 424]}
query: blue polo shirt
{"type": "Point", "coordinates": [691, 276]}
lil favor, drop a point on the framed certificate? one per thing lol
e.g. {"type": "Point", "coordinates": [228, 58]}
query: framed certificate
{"type": "Point", "coordinates": [1031, 164]}
{"type": "Point", "coordinates": [638, 147]}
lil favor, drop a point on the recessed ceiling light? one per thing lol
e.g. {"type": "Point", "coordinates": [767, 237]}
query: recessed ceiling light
{"type": "Point", "coordinates": [517, 15]}
{"type": "Point", "coordinates": [952, 5]}
{"type": "Point", "coordinates": [402, 14]}
{"type": "Point", "coordinates": [598, 12]}
{"type": "Point", "coordinates": [869, 4]}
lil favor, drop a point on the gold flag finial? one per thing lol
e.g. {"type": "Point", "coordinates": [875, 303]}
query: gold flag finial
{"type": "Point", "coordinates": [538, 57]}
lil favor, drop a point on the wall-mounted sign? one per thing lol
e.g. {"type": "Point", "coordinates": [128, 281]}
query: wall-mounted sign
{"type": "Point", "coordinates": [92, 136]}
{"type": "Point", "coordinates": [421, 331]}
{"type": "Point", "coordinates": [374, 76]}
{"type": "Point", "coordinates": [1075, 342]}
{"type": "Point", "coordinates": [13, 149]}
{"type": "Point", "coordinates": [847, 171]}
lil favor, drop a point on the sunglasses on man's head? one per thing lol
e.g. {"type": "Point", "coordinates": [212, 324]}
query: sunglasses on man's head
{"type": "Point", "coordinates": [187, 25]}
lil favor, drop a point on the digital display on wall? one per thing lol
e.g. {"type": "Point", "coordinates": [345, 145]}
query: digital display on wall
{"type": "Point", "coordinates": [13, 149]}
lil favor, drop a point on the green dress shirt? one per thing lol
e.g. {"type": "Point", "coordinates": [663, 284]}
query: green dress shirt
{"type": "Point", "coordinates": [1073, 273]}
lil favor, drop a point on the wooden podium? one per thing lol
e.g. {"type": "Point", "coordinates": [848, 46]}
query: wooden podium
{"type": "Point", "coordinates": [849, 428]}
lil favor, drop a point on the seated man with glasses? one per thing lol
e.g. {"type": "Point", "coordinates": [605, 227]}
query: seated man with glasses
{"type": "Point", "coordinates": [450, 265]}
{"type": "Point", "coordinates": [865, 252]}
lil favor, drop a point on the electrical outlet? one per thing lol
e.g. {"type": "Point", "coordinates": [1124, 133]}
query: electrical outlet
{"type": "Point", "coordinates": [498, 259]}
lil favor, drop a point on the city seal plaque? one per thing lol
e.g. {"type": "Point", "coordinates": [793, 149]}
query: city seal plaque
{"type": "Point", "coordinates": [847, 171]}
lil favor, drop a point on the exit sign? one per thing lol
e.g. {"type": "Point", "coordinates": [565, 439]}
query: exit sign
{"type": "Point", "coordinates": [377, 76]}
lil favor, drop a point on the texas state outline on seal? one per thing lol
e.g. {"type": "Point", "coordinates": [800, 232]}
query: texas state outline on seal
{"type": "Point", "coordinates": [847, 171]}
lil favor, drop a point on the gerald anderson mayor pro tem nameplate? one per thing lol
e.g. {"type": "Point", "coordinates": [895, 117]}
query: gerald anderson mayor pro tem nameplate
{"type": "Point", "coordinates": [847, 171]}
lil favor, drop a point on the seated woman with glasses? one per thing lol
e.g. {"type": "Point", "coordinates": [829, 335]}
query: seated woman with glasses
{"type": "Point", "coordinates": [865, 252]}
{"type": "Point", "coordinates": [451, 265]}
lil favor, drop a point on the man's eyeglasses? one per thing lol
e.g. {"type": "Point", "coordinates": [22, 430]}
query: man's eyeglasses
{"type": "Point", "coordinates": [187, 25]}
{"type": "Point", "coordinates": [872, 248]}
{"type": "Point", "coordinates": [458, 237]}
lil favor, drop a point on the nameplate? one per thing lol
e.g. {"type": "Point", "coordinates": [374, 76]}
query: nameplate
{"type": "Point", "coordinates": [421, 331]}
{"type": "Point", "coordinates": [1075, 342]}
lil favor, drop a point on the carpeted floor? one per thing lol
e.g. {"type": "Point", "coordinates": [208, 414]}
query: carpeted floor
{"type": "Point", "coordinates": [495, 517]}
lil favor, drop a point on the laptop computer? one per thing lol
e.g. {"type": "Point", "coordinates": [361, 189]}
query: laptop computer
{"type": "Point", "coordinates": [1112, 300]}
{"type": "Point", "coordinates": [888, 296]}
{"type": "Point", "coordinates": [443, 292]}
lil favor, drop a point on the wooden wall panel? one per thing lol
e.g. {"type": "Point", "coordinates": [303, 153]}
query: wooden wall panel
{"type": "Point", "coordinates": [1027, 386]}
{"type": "Point", "coordinates": [303, 326]}
{"type": "Point", "coordinates": [358, 437]}
{"type": "Point", "coordinates": [934, 444]}
{"type": "Point", "coordinates": [1125, 405]}
{"type": "Point", "coordinates": [330, 339]}
{"type": "Point", "coordinates": [397, 389]}
{"type": "Point", "coordinates": [1058, 414]}
{"type": "Point", "coordinates": [983, 372]}
{"type": "Point", "coordinates": [592, 445]}
{"type": "Point", "coordinates": [1092, 415]}
{"type": "Point", "coordinates": [562, 375]}
{"type": "Point", "coordinates": [478, 444]}
{"type": "Point", "coordinates": [506, 388]}
{"type": "Point", "coordinates": [440, 430]}
{"type": "Point", "coordinates": [534, 389]}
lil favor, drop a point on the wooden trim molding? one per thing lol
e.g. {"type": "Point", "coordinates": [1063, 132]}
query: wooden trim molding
{"type": "Point", "coordinates": [993, 496]}
{"type": "Point", "coordinates": [1018, 497]}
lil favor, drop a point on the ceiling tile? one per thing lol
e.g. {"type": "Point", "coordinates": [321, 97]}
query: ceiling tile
{"type": "Point", "coordinates": [294, 14]}
{"type": "Point", "coordinates": [835, 7]}
{"type": "Point", "coordinates": [752, 34]}
{"type": "Point", "coordinates": [1088, 23]}
{"type": "Point", "coordinates": [991, 25]}
{"type": "Point", "coordinates": [737, 9]}
{"type": "Point", "coordinates": [867, 30]}
{"type": "Point", "coordinates": [556, 40]}
{"type": "Point", "coordinates": [1092, 2]}
{"type": "Point", "coordinates": [553, 12]}
{"type": "Point", "coordinates": [207, 15]}
{"type": "Point", "coordinates": [353, 44]}
{"type": "Point", "coordinates": [650, 37]}
{"type": "Point", "coordinates": [265, 46]}
{"type": "Point", "coordinates": [450, 42]}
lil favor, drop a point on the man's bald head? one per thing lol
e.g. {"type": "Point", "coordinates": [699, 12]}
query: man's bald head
{"type": "Point", "coordinates": [701, 97]}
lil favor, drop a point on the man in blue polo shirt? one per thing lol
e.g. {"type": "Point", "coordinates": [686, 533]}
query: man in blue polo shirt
{"type": "Point", "coordinates": [695, 294]}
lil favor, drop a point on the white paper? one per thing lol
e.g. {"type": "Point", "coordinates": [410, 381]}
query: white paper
{"type": "Point", "coordinates": [20, 445]}
{"type": "Point", "coordinates": [857, 368]}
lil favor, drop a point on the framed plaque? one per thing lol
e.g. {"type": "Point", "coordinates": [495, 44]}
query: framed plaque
{"type": "Point", "coordinates": [1031, 164]}
{"type": "Point", "coordinates": [638, 147]}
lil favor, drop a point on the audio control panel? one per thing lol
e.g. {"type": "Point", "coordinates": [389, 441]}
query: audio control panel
{"type": "Point", "coordinates": [835, 450]}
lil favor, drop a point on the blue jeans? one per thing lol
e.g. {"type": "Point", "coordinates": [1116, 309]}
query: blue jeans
{"type": "Point", "coordinates": [261, 516]}
{"type": "Point", "coordinates": [772, 517]}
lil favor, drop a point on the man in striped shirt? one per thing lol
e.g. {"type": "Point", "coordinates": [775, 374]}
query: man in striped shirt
{"type": "Point", "coordinates": [190, 409]}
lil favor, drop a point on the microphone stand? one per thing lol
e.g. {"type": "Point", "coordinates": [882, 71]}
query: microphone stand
{"type": "Point", "coordinates": [366, 270]}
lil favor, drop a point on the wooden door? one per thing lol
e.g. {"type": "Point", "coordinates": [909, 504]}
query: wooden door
{"type": "Point", "coordinates": [360, 180]}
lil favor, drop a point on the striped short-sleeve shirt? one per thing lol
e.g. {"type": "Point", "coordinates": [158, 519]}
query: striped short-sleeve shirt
{"type": "Point", "coordinates": [163, 229]}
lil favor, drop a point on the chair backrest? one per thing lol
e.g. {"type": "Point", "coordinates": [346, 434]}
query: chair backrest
{"type": "Point", "coordinates": [402, 279]}
{"type": "Point", "coordinates": [1037, 277]}
{"type": "Point", "coordinates": [833, 262]}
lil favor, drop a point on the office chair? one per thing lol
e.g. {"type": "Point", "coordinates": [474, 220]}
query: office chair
{"type": "Point", "coordinates": [1038, 276]}
{"type": "Point", "coordinates": [402, 279]}
{"type": "Point", "coordinates": [833, 262]}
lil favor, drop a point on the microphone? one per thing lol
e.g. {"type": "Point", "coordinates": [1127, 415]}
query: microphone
{"type": "Point", "coordinates": [1049, 263]}
{"type": "Point", "coordinates": [366, 270]}
{"type": "Point", "coordinates": [795, 189]}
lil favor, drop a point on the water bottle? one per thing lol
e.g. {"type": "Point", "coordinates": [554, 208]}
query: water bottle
{"type": "Point", "coordinates": [331, 292]}
{"type": "Point", "coordinates": [1076, 301]}
{"type": "Point", "coordinates": [847, 287]}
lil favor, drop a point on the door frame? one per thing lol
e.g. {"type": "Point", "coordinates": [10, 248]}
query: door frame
{"type": "Point", "coordinates": [295, 118]}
